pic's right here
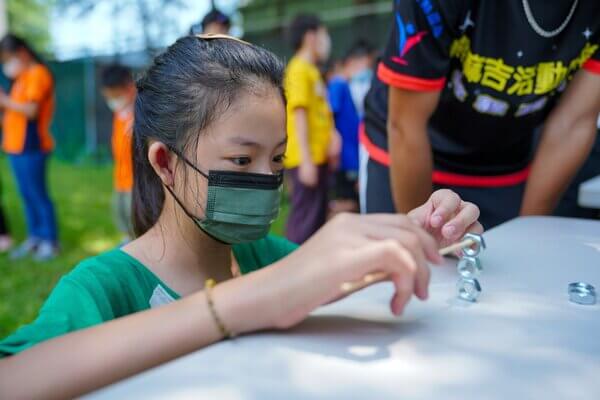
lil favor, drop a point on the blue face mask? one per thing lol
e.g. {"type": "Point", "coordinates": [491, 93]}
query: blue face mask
{"type": "Point", "coordinates": [363, 76]}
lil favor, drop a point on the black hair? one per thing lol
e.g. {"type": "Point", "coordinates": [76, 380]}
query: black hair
{"type": "Point", "coordinates": [116, 75]}
{"type": "Point", "coordinates": [185, 90]}
{"type": "Point", "coordinates": [359, 48]}
{"type": "Point", "coordinates": [300, 26]}
{"type": "Point", "coordinates": [11, 43]}
{"type": "Point", "coordinates": [215, 16]}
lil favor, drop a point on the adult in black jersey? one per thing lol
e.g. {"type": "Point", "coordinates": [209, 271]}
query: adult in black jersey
{"type": "Point", "coordinates": [462, 90]}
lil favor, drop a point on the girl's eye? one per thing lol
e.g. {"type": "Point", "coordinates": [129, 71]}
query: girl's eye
{"type": "Point", "coordinates": [240, 161]}
{"type": "Point", "coordinates": [279, 159]}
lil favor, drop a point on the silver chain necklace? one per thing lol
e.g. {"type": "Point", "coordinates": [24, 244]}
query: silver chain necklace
{"type": "Point", "coordinates": [538, 29]}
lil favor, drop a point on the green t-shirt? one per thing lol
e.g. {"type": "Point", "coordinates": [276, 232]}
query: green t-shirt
{"type": "Point", "coordinates": [114, 285]}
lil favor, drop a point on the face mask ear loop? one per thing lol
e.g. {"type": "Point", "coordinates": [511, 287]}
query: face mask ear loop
{"type": "Point", "coordinates": [185, 160]}
{"type": "Point", "coordinates": [178, 154]}
{"type": "Point", "coordinates": [191, 216]}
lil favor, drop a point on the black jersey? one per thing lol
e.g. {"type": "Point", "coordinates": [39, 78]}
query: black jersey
{"type": "Point", "coordinates": [499, 79]}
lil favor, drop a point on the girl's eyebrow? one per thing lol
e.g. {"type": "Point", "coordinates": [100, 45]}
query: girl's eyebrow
{"type": "Point", "coordinates": [246, 142]}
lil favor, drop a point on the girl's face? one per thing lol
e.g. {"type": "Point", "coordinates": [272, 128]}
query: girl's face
{"type": "Point", "coordinates": [249, 137]}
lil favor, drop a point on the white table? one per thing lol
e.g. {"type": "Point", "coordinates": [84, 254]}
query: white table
{"type": "Point", "coordinates": [589, 193]}
{"type": "Point", "coordinates": [522, 340]}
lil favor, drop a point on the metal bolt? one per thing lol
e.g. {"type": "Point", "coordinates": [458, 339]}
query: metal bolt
{"type": "Point", "coordinates": [475, 249]}
{"type": "Point", "coordinates": [469, 267]}
{"type": "Point", "coordinates": [582, 293]}
{"type": "Point", "coordinates": [468, 289]}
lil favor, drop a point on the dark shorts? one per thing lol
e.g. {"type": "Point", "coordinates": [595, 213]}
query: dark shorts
{"type": "Point", "coordinates": [308, 205]}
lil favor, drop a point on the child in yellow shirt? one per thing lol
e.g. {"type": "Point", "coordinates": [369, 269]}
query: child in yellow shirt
{"type": "Point", "coordinates": [310, 127]}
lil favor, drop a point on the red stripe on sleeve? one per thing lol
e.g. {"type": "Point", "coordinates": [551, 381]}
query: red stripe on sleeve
{"type": "Point", "coordinates": [447, 178]}
{"type": "Point", "coordinates": [408, 82]}
{"type": "Point", "coordinates": [592, 66]}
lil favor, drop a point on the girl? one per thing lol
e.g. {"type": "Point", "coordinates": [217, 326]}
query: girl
{"type": "Point", "coordinates": [209, 137]}
{"type": "Point", "coordinates": [27, 141]}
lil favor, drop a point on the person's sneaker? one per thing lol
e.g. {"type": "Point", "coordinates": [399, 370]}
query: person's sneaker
{"type": "Point", "coordinates": [24, 249]}
{"type": "Point", "coordinates": [5, 243]}
{"type": "Point", "coordinates": [45, 251]}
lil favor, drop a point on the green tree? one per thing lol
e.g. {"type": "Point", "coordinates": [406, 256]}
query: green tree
{"type": "Point", "coordinates": [29, 19]}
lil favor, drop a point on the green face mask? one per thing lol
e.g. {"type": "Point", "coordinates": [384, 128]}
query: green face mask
{"type": "Point", "coordinates": [240, 206]}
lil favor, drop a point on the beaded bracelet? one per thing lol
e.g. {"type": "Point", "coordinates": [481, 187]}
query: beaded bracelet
{"type": "Point", "coordinates": [208, 286]}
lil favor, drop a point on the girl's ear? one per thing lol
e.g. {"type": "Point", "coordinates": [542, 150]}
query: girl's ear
{"type": "Point", "coordinates": [163, 162]}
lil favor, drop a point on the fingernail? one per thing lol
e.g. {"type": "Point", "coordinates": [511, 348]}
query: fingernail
{"type": "Point", "coordinates": [449, 231]}
{"type": "Point", "coordinates": [436, 221]}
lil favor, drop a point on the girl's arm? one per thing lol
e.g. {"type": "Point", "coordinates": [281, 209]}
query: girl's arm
{"type": "Point", "coordinates": [85, 360]}
{"type": "Point", "coordinates": [82, 361]}
{"type": "Point", "coordinates": [279, 296]}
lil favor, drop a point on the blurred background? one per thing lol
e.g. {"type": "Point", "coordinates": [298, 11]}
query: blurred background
{"type": "Point", "coordinates": [78, 39]}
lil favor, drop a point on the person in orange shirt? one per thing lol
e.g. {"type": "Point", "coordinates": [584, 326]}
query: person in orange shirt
{"type": "Point", "coordinates": [118, 88]}
{"type": "Point", "coordinates": [28, 110]}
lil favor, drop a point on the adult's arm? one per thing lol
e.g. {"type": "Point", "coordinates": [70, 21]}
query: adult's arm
{"type": "Point", "coordinates": [566, 142]}
{"type": "Point", "coordinates": [410, 152]}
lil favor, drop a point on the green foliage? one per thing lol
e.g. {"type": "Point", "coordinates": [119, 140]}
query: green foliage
{"type": "Point", "coordinates": [29, 19]}
{"type": "Point", "coordinates": [81, 194]}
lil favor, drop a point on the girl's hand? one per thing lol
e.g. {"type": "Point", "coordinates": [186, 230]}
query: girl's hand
{"type": "Point", "coordinates": [447, 217]}
{"type": "Point", "coordinates": [346, 249]}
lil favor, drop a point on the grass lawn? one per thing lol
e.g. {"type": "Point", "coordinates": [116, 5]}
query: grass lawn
{"type": "Point", "coordinates": [82, 195]}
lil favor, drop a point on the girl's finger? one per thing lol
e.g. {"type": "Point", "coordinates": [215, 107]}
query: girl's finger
{"type": "Point", "coordinates": [402, 268]}
{"type": "Point", "coordinates": [459, 224]}
{"type": "Point", "coordinates": [398, 231]}
{"type": "Point", "coordinates": [476, 227]}
{"type": "Point", "coordinates": [445, 204]}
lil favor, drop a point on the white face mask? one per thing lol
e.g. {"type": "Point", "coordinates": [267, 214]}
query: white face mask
{"type": "Point", "coordinates": [117, 104]}
{"type": "Point", "coordinates": [12, 68]}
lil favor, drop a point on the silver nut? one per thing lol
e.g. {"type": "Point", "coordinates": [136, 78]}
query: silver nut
{"type": "Point", "coordinates": [582, 293]}
{"type": "Point", "coordinates": [475, 249]}
{"type": "Point", "coordinates": [468, 289]}
{"type": "Point", "coordinates": [469, 267]}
